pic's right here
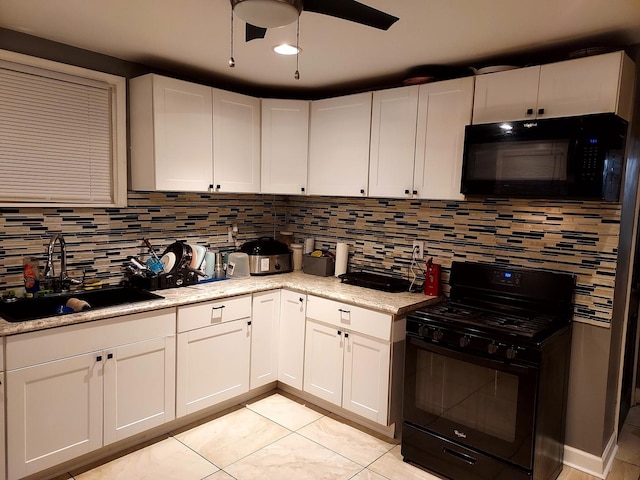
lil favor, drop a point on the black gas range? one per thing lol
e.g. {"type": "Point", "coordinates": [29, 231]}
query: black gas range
{"type": "Point", "coordinates": [486, 375]}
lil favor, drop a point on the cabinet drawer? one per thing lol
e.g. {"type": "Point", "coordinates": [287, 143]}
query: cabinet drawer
{"type": "Point", "coordinates": [211, 313]}
{"type": "Point", "coordinates": [350, 317]}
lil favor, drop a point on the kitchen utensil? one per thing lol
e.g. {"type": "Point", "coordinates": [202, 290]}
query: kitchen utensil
{"type": "Point", "coordinates": [151, 250]}
{"type": "Point", "coordinates": [219, 266]}
{"type": "Point", "coordinates": [297, 255]}
{"type": "Point", "coordinates": [267, 256]}
{"type": "Point", "coordinates": [238, 265]}
{"type": "Point", "coordinates": [168, 261]}
{"type": "Point", "coordinates": [210, 264]}
{"type": "Point", "coordinates": [183, 255]}
{"type": "Point", "coordinates": [493, 69]}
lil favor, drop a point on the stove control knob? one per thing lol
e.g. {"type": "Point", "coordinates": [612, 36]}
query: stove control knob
{"type": "Point", "coordinates": [512, 352]}
{"type": "Point", "coordinates": [437, 335]}
{"type": "Point", "coordinates": [423, 330]}
{"type": "Point", "coordinates": [464, 341]}
{"type": "Point", "coordinates": [492, 348]}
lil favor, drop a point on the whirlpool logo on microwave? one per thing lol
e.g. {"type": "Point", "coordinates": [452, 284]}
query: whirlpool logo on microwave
{"type": "Point", "coordinates": [460, 434]}
{"type": "Point", "coordinates": [530, 124]}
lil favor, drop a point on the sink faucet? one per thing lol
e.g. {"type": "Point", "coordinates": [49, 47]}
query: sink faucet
{"type": "Point", "coordinates": [63, 282]}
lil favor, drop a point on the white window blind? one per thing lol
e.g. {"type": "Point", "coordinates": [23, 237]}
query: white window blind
{"type": "Point", "coordinates": [55, 138]}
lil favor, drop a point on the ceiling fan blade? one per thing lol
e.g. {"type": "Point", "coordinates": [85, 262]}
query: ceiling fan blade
{"type": "Point", "coordinates": [253, 32]}
{"type": "Point", "coordinates": [352, 11]}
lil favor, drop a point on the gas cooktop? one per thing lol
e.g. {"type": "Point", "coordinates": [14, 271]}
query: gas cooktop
{"type": "Point", "coordinates": [375, 281]}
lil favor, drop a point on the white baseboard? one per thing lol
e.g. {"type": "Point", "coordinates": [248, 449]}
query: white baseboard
{"type": "Point", "coordinates": [592, 464]}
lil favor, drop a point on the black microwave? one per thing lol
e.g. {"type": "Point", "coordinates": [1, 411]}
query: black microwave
{"type": "Point", "coordinates": [572, 157]}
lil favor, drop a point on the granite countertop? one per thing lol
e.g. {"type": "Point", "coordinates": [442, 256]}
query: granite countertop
{"type": "Point", "coordinates": [396, 304]}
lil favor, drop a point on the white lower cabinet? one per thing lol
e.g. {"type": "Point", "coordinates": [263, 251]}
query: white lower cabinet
{"type": "Point", "coordinates": [365, 383]}
{"type": "Point", "coordinates": [323, 362]}
{"type": "Point", "coordinates": [291, 338]}
{"type": "Point", "coordinates": [68, 392]}
{"type": "Point", "coordinates": [213, 365]}
{"type": "Point", "coordinates": [214, 345]}
{"type": "Point", "coordinates": [139, 387]}
{"type": "Point", "coordinates": [348, 357]}
{"type": "Point", "coordinates": [264, 338]}
{"type": "Point", "coordinates": [54, 412]}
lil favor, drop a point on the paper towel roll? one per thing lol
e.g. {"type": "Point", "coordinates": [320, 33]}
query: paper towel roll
{"type": "Point", "coordinates": [309, 245]}
{"type": "Point", "coordinates": [342, 257]}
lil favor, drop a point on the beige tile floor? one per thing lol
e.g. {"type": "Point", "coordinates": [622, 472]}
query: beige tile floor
{"type": "Point", "coordinates": [278, 437]}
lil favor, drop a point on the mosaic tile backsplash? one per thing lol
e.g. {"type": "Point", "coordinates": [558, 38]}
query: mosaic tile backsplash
{"type": "Point", "coordinates": [576, 237]}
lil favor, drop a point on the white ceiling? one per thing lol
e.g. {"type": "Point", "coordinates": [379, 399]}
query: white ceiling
{"type": "Point", "coordinates": [193, 36]}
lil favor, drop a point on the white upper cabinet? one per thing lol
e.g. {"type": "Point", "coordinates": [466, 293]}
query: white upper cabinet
{"type": "Point", "coordinates": [236, 142]}
{"type": "Point", "coordinates": [192, 138]}
{"type": "Point", "coordinates": [393, 142]}
{"type": "Point", "coordinates": [506, 95]}
{"type": "Point", "coordinates": [171, 134]}
{"type": "Point", "coordinates": [597, 84]}
{"type": "Point", "coordinates": [285, 146]}
{"type": "Point", "coordinates": [339, 145]}
{"type": "Point", "coordinates": [443, 112]}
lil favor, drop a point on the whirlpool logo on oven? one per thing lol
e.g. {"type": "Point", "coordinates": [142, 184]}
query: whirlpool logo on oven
{"type": "Point", "coordinates": [460, 434]}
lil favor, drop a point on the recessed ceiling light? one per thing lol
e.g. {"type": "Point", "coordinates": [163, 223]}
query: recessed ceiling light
{"type": "Point", "coordinates": [286, 49]}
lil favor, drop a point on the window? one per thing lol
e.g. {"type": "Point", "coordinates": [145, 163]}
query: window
{"type": "Point", "coordinates": [62, 134]}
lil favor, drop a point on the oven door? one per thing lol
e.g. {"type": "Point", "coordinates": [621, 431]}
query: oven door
{"type": "Point", "coordinates": [482, 404]}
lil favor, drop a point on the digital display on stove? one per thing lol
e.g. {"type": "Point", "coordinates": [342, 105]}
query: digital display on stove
{"type": "Point", "coordinates": [505, 277]}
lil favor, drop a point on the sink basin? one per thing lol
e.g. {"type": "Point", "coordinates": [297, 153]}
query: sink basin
{"type": "Point", "coordinates": [33, 308]}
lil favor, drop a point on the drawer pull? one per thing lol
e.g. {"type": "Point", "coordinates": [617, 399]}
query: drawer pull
{"type": "Point", "coordinates": [109, 356]}
{"type": "Point", "coordinates": [301, 299]}
{"type": "Point", "coordinates": [217, 308]}
{"type": "Point", "coordinates": [346, 335]}
{"type": "Point", "coordinates": [465, 458]}
{"type": "Point", "coordinates": [99, 358]}
{"type": "Point", "coordinates": [344, 311]}
{"type": "Point", "coordinates": [339, 332]}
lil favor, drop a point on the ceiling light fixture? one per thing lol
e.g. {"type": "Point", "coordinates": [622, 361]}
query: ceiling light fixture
{"type": "Point", "coordinates": [286, 49]}
{"type": "Point", "coordinates": [267, 13]}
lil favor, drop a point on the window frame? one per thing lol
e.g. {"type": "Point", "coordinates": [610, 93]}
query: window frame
{"type": "Point", "coordinates": [118, 87]}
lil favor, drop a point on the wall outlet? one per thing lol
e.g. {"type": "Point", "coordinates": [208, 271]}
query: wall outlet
{"type": "Point", "coordinates": [417, 248]}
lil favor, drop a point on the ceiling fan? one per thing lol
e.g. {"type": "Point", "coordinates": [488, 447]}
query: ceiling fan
{"type": "Point", "coordinates": [262, 14]}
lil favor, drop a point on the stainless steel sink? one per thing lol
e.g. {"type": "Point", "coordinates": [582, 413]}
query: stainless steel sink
{"type": "Point", "coordinates": [49, 306]}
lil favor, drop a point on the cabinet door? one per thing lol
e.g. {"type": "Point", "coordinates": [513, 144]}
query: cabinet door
{"type": "Point", "coordinates": [139, 387]}
{"type": "Point", "coordinates": [291, 341]}
{"type": "Point", "coordinates": [171, 135]}
{"type": "Point", "coordinates": [212, 365]}
{"type": "Point", "coordinates": [444, 111]}
{"type": "Point", "coordinates": [264, 338]}
{"type": "Point", "coordinates": [393, 142]}
{"type": "Point", "coordinates": [323, 362]}
{"type": "Point", "coordinates": [366, 377]}
{"type": "Point", "coordinates": [236, 142]}
{"type": "Point", "coordinates": [285, 146]}
{"type": "Point", "coordinates": [581, 86]}
{"type": "Point", "coordinates": [508, 95]}
{"type": "Point", "coordinates": [54, 413]}
{"type": "Point", "coordinates": [339, 145]}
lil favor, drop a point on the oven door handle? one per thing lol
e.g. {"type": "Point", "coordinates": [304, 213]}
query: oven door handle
{"type": "Point", "coordinates": [515, 368]}
{"type": "Point", "coordinates": [459, 455]}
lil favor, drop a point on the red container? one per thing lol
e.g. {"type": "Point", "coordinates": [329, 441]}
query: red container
{"type": "Point", "coordinates": [432, 279]}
